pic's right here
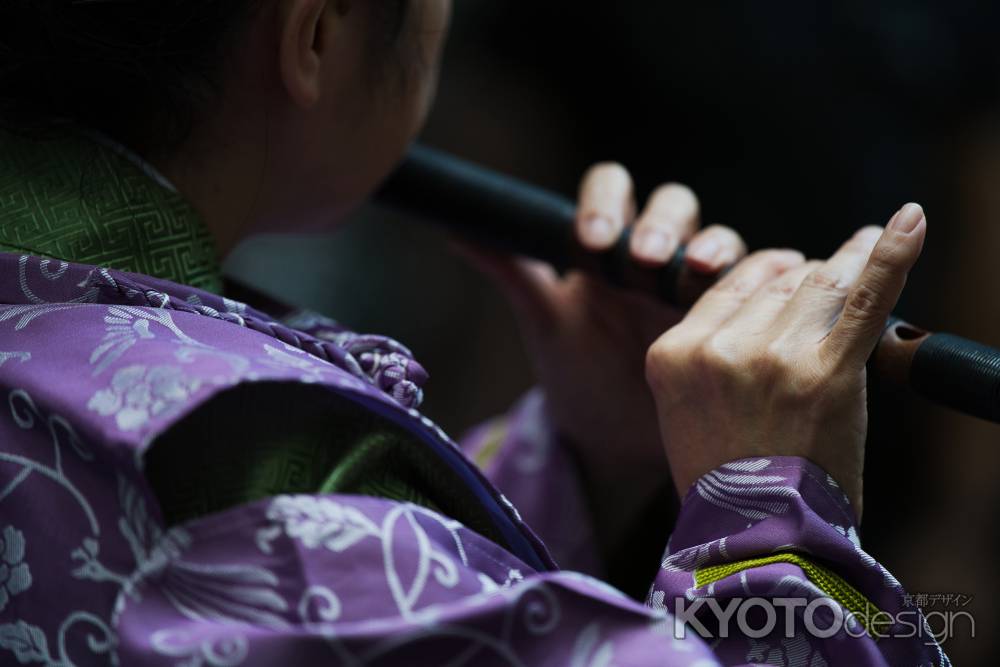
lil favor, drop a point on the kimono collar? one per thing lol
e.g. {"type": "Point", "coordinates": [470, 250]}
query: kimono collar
{"type": "Point", "coordinates": [88, 201]}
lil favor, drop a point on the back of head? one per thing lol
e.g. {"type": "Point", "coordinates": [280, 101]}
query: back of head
{"type": "Point", "coordinates": [137, 70]}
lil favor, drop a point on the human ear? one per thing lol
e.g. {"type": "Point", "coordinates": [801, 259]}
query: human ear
{"type": "Point", "coordinates": [301, 41]}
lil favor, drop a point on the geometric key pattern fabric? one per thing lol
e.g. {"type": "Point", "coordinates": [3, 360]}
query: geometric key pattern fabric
{"type": "Point", "coordinates": [69, 197]}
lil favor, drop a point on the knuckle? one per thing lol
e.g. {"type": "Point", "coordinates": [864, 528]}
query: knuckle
{"type": "Point", "coordinates": [783, 290]}
{"type": "Point", "coordinates": [789, 374]}
{"type": "Point", "coordinates": [776, 257]}
{"type": "Point", "coordinates": [755, 272]}
{"type": "Point", "coordinates": [717, 353]}
{"type": "Point", "coordinates": [756, 257]}
{"type": "Point", "coordinates": [654, 368]}
{"type": "Point", "coordinates": [773, 362]}
{"type": "Point", "coordinates": [735, 286]}
{"type": "Point", "coordinates": [662, 357]}
{"type": "Point", "coordinates": [667, 344]}
{"type": "Point", "coordinates": [825, 280]}
{"type": "Point", "coordinates": [863, 302]}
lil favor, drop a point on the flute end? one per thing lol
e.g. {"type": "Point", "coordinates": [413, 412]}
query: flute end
{"type": "Point", "coordinates": [893, 357]}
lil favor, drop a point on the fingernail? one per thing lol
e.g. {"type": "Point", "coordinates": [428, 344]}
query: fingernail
{"type": "Point", "coordinates": [598, 231]}
{"type": "Point", "coordinates": [907, 219]}
{"type": "Point", "coordinates": [705, 251]}
{"type": "Point", "coordinates": [653, 245]}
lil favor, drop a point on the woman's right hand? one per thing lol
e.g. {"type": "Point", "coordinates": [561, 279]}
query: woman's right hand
{"type": "Point", "coordinates": [771, 360]}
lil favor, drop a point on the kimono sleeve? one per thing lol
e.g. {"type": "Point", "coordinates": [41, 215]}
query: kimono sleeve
{"type": "Point", "coordinates": [765, 564]}
{"type": "Point", "coordinates": [521, 454]}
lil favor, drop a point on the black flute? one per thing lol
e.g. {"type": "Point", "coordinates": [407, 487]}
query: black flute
{"type": "Point", "coordinates": [505, 213]}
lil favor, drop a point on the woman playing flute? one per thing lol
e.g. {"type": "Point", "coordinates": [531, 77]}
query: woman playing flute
{"type": "Point", "coordinates": [185, 479]}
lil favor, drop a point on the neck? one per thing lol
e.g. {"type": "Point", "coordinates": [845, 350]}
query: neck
{"type": "Point", "coordinates": [226, 184]}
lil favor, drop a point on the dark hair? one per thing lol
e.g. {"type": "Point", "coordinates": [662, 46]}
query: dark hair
{"type": "Point", "coordinates": [120, 66]}
{"type": "Point", "coordinates": [140, 71]}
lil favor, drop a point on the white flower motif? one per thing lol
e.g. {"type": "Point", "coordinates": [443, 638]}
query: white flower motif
{"type": "Point", "coordinates": [301, 363]}
{"type": "Point", "coordinates": [231, 593]}
{"type": "Point", "coordinates": [850, 533]}
{"type": "Point", "coordinates": [589, 651]}
{"type": "Point", "coordinates": [226, 650]}
{"type": "Point", "coordinates": [19, 356]}
{"type": "Point", "coordinates": [791, 651]}
{"type": "Point", "coordinates": [744, 487]}
{"type": "Point", "coordinates": [318, 521]}
{"type": "Point", "coordinates": [311, 368]}
{"type": "Point", "coordinates": [15, 577]}
{"type": "Point", "coordinates": [138, 394]}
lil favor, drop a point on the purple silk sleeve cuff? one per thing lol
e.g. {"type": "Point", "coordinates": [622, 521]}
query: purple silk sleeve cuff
{"type": "Point", "coordinates": [774, 539]}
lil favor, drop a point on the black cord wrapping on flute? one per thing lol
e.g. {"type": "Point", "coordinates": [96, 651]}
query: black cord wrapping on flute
{"type": "Point", "coordinates": [508, 214]}
{"type": "Point", "coordinates": [959, 373]}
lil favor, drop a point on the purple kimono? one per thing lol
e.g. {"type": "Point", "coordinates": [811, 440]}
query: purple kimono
{"type": "Point", "coordinates": [96, 364]}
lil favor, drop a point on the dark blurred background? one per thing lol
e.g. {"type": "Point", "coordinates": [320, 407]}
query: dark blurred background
{"type": "Point", "coordinates": [796, 122]}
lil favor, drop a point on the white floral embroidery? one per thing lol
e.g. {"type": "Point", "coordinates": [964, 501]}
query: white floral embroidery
{"type": "Point", "coordinates": [322, 522]}
{"type": "Point", "coordinates": [743, 487]}
{"type": "Point", "coordinates": [15, 577]}
{"type": "Point", "coordinates": [235, 593]}
{"type": "Point", "coordinates": [319, 608]}
{"type": "Point", "coordinates": [26, 641]}
{"type": "Point", "coordinates": [311, 367]}
{"type": "Point", "coordinates": [122, 333]}
{"type": "Point", "coordinates": [690, 559]}
{"type": "Point", "coordinates": [138, 394]}
{"type": "Point", "coordinates": [587, 652]}
{"type": "Point", "coordinates": [27, 416]}
{"type": "Point", "coordinates": [29, 644]}
{"type": "Point", "coordinates": [849, 532]}
{"type": "Point", "coordinates": [227, 651]}
{"type": "Point", "coordinates": [25, 314]}
{"type": "Point", "coordinates": [318, 521]}
{"type": "Point", "coordinates": [887, 578]}
{"type": "Point", "coordinates": [19, 356]}
{"type": "Point", "coordinates": [126, 326]}
{"type": "Point", "coordinates": [151, 547]}
{"type": "Point", "coordinates": [789, 652]}
{"type": "Point", "coordinates": [88, 296]}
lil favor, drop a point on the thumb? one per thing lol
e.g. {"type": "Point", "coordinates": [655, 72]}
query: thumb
{"type": "Point", "coordinates": [874, 295]}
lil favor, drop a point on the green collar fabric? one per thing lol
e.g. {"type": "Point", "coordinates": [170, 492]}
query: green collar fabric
{"type": "Point", "coordinates": [82, 200]}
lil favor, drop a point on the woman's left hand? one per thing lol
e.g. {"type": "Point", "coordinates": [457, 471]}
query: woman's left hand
{"type": "Point", "coordinates": [588, 341]}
